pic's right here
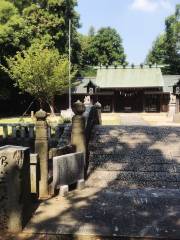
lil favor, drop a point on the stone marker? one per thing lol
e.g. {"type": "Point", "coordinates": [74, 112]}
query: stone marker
{"type": "Point", "coordinates": [14, 187]}
{"type": "Point", "coordinates": [78, 127]}
{"type": "Point", "coordinates": [34, 173]}
{"type": "Point", "coordinates": [68, 169]}
{"type": "Point", "coordinates": [41, 148]}
{"type": "Point", "coordinates": [172, 106]}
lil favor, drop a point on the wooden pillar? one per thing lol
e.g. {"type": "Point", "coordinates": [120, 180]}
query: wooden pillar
{"type": "Point", "coordinates": [41, 148]}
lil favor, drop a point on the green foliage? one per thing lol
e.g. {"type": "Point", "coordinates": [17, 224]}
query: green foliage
{"type": "Point", "coordinates": [23, 22]}
{"type": "Point", "coordinates": [7, 10]}
{"type": "Point", "coordinates": [88, 71]}
{"type": "Point", "coordinates": [39, 71]}
{"type": "Point", "coordinates": [106, 48]}
{"type": "Point", "coordinates": [14, 34]}
{"type": "Point", "coordinates": [166, 48]}
{"type": "Point", "coordinates": [158, 52]}
{"type": "Point", "coordinates": [173, 42]}
{"type": "Point", "coordinates": [103, 47]}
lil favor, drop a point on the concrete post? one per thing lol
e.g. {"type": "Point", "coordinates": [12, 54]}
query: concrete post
{"type": "Point", "coordinates": [78, 138]}
{"type": "Point", "coordinates": [97, 105]}
{"type": "Point", "coordinates": [41, 148]}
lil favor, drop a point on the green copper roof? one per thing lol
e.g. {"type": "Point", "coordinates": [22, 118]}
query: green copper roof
{"type": "Point", "coordinates": [169, 82]}
{"type": "Point", "coordinates": [129, 78]}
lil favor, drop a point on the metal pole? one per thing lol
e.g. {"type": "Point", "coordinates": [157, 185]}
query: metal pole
{"type": "Point", "coordinates": [69, 63]}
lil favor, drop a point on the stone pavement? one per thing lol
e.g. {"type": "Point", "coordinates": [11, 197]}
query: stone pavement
{"type": "Point", "coordinates": [132, 119]}
{"type": "Point", "coordinates": [132, 190]}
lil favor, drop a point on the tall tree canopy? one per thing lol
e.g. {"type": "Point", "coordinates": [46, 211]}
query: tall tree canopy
{"type": "Point", "coordinates": [157, 53]}
{"type": "Point", "coordinates": [103, 47]}
{"type": "Point", "coordinates": [22, 22]}
{"type": "Point", "coordinates": [106, 48]}
{"type": "Point", "coordinates": [166, 48]}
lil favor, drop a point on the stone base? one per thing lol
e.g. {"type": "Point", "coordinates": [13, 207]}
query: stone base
{"type": "Point", "coordinates": [80, 184]}
{"type": "Point", "coordinates": [176, 118]}
{"type": "Point", "coordinates": [63, 190]}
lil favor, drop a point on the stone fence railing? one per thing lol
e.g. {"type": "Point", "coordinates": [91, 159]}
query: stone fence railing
{"type": "Point", "coordinates": [22, 173]}
{"type": "Point", "coordinates": [17, 130]}
{"type": "Point", "coordinates": [27, 131]}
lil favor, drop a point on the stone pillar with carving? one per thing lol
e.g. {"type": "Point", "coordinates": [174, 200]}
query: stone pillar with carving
{"type": "Point", "coordinates": [78, 138]}
{"type": "Point", "coordinates": [14, 188]}
{"type": "Point", "coordinates": [41, 148]}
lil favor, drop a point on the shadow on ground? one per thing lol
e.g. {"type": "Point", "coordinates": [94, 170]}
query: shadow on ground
{"type": "Point", "coordinates": [132, 189]}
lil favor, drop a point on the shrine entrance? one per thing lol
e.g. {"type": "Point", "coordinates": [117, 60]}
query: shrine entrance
{"type": "Point", "coordinates": [128, 101]}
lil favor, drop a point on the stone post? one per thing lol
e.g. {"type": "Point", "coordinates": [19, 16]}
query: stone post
{"type": "Point", "coordinates": [172, 106]}
{"type": "Point", "coordinates": [5, 131]}
{"type": "Point", "coordinates": [97, 105]}
{"type": "Point", "coordinates": [14, 188]}
{"type": "Point", "coordinates": [78, 138]}
{"type": "Point", "coordinates": [41, 148]}
{"type": "Point", "coordinates": [34, 174]}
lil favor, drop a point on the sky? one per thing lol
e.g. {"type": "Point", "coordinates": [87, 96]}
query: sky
{"type": "Point", "coordinates": [138, 22]}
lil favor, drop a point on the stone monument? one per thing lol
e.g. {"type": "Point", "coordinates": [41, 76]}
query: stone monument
{"type": "Point", "coordinates": [14, 188]}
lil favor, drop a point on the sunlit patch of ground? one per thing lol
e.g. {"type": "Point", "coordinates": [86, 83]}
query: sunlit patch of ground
{"type": "Point", "coordinates": [111, 119]}
{"type": "Point", "coordinates": [156, 118]}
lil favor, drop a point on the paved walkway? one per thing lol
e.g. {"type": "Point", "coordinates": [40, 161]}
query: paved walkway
{"type": "Point", "coordinates": [133, 189]}
{"type": "Point", "coordinates": [132, 119]}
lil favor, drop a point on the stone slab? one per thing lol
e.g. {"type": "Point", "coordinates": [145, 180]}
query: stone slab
{"type": "Point", "coordinates": [68, 169]}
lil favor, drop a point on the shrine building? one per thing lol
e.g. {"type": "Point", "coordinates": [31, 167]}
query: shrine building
{"type": "Point", "coordinates": [128, 89]}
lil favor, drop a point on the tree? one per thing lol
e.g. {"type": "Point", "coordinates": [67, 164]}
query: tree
{"type": "Point", "coordinates": [39, 71]}
{"type": "Point", "coordinates": [106, 48]}
{"type": "Point", "coordinates": [166, 48]}
{"type": "Point", "coordinates": [173, 42]}
{"type": "Point", "coordinates": [23, 22]}
{"type": "Point", "coordinates": [52, 17]}
{"type": "Point", "coordinates": [158, 52]}
{"type": "Point", "coordinates": [14, 33]}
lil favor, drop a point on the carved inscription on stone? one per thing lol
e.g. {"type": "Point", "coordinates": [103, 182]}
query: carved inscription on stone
{"type": "Point", "coordinates": [14, 187]}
